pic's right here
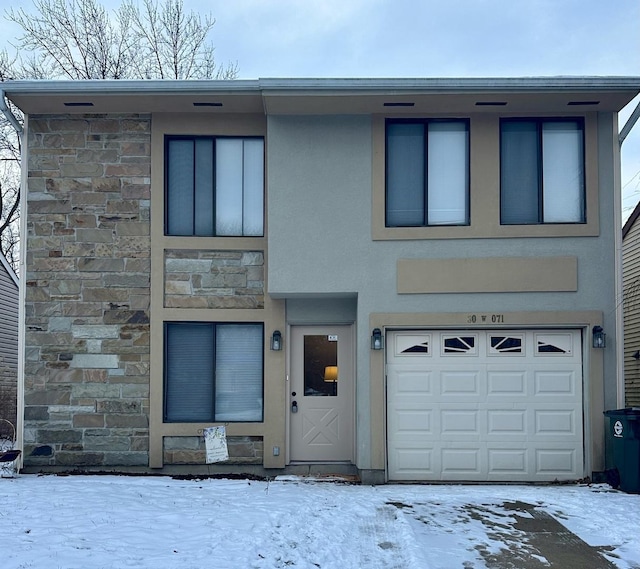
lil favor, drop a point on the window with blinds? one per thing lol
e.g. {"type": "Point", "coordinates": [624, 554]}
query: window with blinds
{"type": "Point", "coordinates": [542, 176]}
{"type": "Point", "coordinates": [213, 372]}
{"type": "Point", "coordinates": [214, 186]}
{"type": "Point", "coordinates": [427, 172]}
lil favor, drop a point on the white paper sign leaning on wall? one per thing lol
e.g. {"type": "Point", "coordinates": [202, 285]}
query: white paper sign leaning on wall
{"type": "Point", "coordinates": [215, 442]}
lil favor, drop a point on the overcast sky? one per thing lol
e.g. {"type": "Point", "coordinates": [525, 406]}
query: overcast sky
{"type": "Point", "coordinates": [428, 38]}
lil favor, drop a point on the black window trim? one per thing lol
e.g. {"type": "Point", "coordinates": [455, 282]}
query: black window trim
{"type": "Point", "coordinates": [539, 121]}
{"type": "Point", "coordinates": [165, 361]}
{"type": "Point", "coordinates": [214, 137]}
{"type": "Point", "coordinates": [425, 123]}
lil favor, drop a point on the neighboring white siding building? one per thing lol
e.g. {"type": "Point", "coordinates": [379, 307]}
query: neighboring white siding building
{"type": "Point", "coordinates": [631, 283]}
{"type": "Point", "coordinates": [8, 340]}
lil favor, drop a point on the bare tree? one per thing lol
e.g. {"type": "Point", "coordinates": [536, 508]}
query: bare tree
{"type": "Point", "coordinates": [9, 209]}
{"type": "Point", "coordinates": [80, 39]}
{"type": "Point", "coordinates": [71, 39]}
{"type": "Point", "coordinates": [172, 44]}
{"type": "Point", "coordinates": [9, 174]}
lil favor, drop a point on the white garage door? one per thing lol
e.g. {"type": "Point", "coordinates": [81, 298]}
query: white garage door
{"type": "Point", "coordinates": [484, 405]}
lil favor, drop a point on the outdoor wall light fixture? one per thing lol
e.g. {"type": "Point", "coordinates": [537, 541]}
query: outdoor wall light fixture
{"type": "Point", "coordinates": [377, 342]}
{"type": "Point", "coordinates": [599, 337]}
{"type": "Point", "coordinates": [276, 341]}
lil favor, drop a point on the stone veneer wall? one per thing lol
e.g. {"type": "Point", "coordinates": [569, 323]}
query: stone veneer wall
{"type": "Point", "coordinates": [87, 291]}
{"type": "Point", "coordinates": [213, 279]}
{"type": "Point", "coordinates": [191, 450]}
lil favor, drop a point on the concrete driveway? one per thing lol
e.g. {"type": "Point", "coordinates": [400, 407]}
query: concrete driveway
{"type": "Point", "coordinates": [528, 537]}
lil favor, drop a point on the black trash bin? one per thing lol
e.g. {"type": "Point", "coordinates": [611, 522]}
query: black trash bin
{"type": "Point", "coordinates": [623, 436]}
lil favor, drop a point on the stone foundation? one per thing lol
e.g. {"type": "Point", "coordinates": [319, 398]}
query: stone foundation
{"type": "Point", "coordinates": [191, 450]}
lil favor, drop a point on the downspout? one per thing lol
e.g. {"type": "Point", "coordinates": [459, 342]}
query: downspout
{"type": "Point", "coordinates": [21, 273]}
{"type": "Point", "coordinates": [626, 129]}
{"type": "Point", "coordinates": [6, 111]}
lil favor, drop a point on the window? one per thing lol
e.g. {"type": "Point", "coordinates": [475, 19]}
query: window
{"type": "Point", "coordinates": [213, 372]}
{"type": "Point", "coordinates": [427, 170]}
{"type": "Point", "coordinates": [214, 186]}
{"type": "Point", "coordinates": [509, 345]}
{"type": "Point", "coordinates": [542, 171]}
{"type": "Point", "coordinates": [459, 345]}
{"type": "Point", "coordinates": [558, 344]}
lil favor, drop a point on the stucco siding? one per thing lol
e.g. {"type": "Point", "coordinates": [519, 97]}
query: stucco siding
{"type": "Point", "coordinates": [320, 193]}
{"type": "Point", "coordinates": [319, 209]}
{"type": "Point", "coordinates": [320, 172]}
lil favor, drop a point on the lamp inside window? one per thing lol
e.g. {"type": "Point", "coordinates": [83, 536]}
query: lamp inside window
{"type": "Point", "coordinates": [331, 376]}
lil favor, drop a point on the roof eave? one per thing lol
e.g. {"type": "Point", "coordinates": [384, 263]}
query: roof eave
{"type": "Point", "coordinates": [308, 95]}
{"type": "Point", "coordinates": [314, 85]}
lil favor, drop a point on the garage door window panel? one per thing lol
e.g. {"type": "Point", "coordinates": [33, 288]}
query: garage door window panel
{"type": "Point", "coordinates": [412, 345]}
{"type": "Point", "coordinates": [553, 344]}
{"type": "Point", "coordinates": [459, 345]}
{"type": "Point", "coordinates": [506, 345]}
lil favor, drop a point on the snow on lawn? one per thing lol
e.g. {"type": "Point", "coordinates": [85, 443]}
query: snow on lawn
{"type": "Point", "coordinates": [82, 522]}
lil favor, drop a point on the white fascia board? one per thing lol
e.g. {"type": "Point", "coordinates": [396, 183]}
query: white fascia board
{"type": "Point", "coordinates": [463, 84]}
{"type": "Point", "coordinates": [466, 84]}
{"type": "Point", "coordinates": [127, 87]}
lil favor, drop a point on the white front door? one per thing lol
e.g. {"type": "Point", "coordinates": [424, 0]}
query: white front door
{"type": "Point", "coordinates": [321, 394]}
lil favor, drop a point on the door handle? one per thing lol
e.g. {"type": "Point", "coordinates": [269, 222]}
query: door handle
{"type": "Point", "coordinates": [294, 406]}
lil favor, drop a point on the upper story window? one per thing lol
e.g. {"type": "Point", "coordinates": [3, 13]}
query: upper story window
{"type": "Point", "coordinates": [214, 186]}
{"type": "Point", "coordinates": [427, 173]}
{"type": "Point", "coordinates": [542, 171]}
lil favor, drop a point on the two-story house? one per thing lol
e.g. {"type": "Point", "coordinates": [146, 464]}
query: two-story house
{"type": "Point", "coordinates": [407, 279]}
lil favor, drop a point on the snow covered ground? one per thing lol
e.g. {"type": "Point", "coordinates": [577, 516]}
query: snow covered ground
{"type": "Point", "coordinates": [94, 522]}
